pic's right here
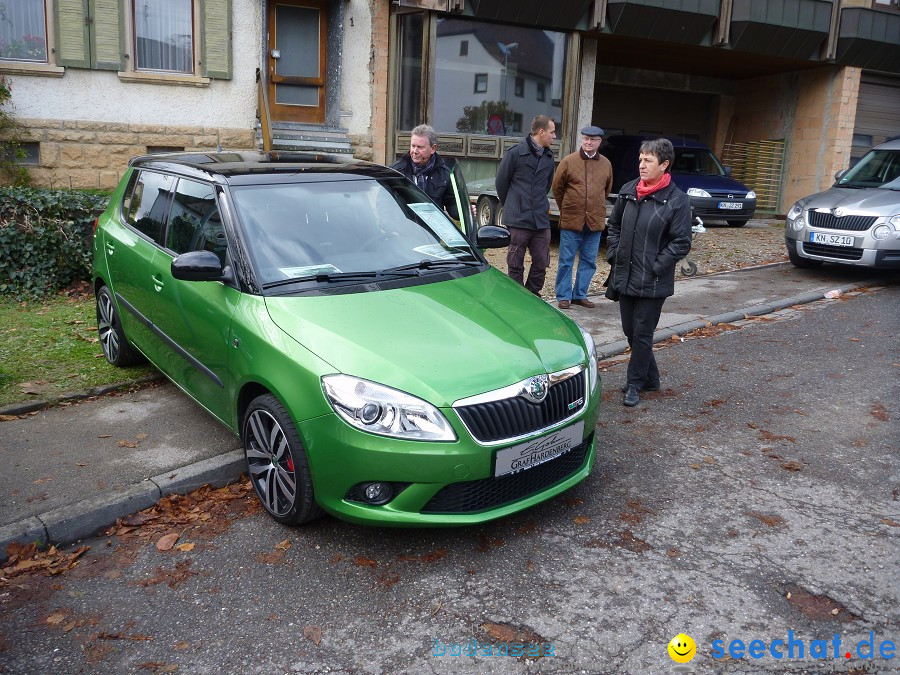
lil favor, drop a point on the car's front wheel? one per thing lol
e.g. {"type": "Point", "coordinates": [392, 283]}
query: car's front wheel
{"type": "Point", "coordinates": [798, 260]}
{"type": "Point", "coordinates": [116, 348]}
{"type": "Point", "coordinates": [276, 462]}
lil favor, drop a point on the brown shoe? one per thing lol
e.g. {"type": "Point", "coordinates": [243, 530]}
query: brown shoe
{"type": "Point", "coordinates": [584, 303]}
{"type": "Point", "coordinates": [563, 304]}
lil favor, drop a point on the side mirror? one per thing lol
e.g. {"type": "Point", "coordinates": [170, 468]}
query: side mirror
{"type": "Point", "coordinates": [840, 174]}
{"type": "Point", "coordinates": [199, 266]}
{"type": "Point", "coordinates": [727, 171]}
{"type": "Point", "coordinates": [492, 236]}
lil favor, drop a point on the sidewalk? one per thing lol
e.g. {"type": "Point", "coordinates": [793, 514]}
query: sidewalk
{"type": "Point", "coordinates": [70, 470]}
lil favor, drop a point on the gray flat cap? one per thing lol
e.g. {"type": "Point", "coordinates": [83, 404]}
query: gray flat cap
{"type": "Point", "coordinates": [592, 131]}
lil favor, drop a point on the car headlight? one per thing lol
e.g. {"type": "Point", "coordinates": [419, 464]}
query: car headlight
{"type": "Point", "coordinates": [895, 221]}
{"type": "Point", "coordinates": [384, 411]}
{"type": "Point", "coordinates": [751, 195]}
{"type": "Point", "coordinates": [592, 357]}
{"type": "Point", "coordinates": [795, 218]}
{"type": "Point", "coordinates": [697, 192]}
{"type": "Point", "coordinates": [882, 232]}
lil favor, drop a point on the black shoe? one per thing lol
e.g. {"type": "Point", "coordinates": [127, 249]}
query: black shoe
{"type": "Point", "coordinates": [632, 397]}
{"type": "Point", "coordinates": [646, 387]}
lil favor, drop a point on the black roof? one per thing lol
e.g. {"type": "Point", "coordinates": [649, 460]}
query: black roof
{"type": "Point", "coordinates": [248, 167]}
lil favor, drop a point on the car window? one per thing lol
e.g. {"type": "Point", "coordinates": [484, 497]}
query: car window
{"type": "Point", "coordinates": [879, 168]}
{"type": "Point", "coordinates": [194, 221]}
{"type": "Point", "coordinates": [149, 203]}
{"type": "Point", "coordinates": [697, 161]}
{"type": "Point", "coordinates": [300, 229]}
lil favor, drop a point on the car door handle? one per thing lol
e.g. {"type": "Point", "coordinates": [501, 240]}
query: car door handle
{"type": "Point", "coordinates": [110, 248]}
{"type": "Point", "coordinates": [157, 282]}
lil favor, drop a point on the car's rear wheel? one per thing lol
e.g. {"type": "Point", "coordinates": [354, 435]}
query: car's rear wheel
{"type": "Point", "coordinates": [276, 462]}
{"type": "Point", "coordinates": [116, 348]}
{"type": "Point", "coordinates": [736, 223]}
{"type": "Point", "coordinates": [798, 260]}
{"type": "Point", "coordinates": [486, 211]}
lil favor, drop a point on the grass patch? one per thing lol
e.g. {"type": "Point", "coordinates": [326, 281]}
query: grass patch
{"type": "Point", "coordinates": [50, 347]}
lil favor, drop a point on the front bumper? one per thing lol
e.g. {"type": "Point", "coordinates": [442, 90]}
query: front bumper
{"type": "Point", "coordinates": [866, 251]}
{"type": "Point", "coordinates": [708, 208]}
{"type": "Point", "coordinates": [455, 478]}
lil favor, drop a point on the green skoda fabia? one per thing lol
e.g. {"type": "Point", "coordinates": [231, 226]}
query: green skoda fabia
{"type": "Point", "coordinates": [373, 363]}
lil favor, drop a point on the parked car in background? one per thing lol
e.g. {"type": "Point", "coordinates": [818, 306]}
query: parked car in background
{"type": "Point", "coordinates": [856, 221]}
{"type": "Point", "coordinates": [715, 196]}
{"type": "Point", "coordinates": [375, 366]}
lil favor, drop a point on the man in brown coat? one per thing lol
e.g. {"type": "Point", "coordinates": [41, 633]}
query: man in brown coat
{"type": "Point", "coordinates": [582, 181]}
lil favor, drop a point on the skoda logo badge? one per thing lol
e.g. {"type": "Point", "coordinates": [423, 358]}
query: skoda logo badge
{"type": "Point", "coordinates": [839, 212]}
{"type": "Point", "coordinates": [536, 388]}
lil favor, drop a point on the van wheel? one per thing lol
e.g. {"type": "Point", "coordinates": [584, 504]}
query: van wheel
{"type": "Point", "coordinates": [736, 223]}
{"type": "Point", "coordinates": [799, 261]}
{"type": "Point", "coordinates": [277, 464]}
{"type": "Point", "coordinates": [116, 348]}
{"type": "Point", "coordinates": [486, 211]}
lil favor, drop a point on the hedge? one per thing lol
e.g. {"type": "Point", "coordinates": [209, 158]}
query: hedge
{"type": "Point", "coordinates": [46, 239]}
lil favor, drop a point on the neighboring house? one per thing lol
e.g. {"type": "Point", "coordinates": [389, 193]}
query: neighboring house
{"type": "Point", "coordinates": [96, 82]}
{"type": "Point", "coordinates": [796, 90]}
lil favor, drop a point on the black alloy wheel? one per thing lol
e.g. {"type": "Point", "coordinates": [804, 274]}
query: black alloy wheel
{"type": "Point", "coordinates": [116, 348]}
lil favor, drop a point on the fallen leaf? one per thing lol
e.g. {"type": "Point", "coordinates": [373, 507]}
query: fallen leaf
{"type": "Point", "coordinates": [854, 339]}
{"type": "Point", "coordinates": [695, 466]}
{"type": "Point", "coordinates": [54, 619]}
{"type": "Point", "coordinates": [185, 548]}
{"type": "Point", "coordinates": [581, 520]}
{"type": "Point", "coordinates": [313, 633]}
{"type": "Point", "coordinates": [283, 545]}
{"type": "Point", "coordinates": [105, 436]}
{"type": "Point", "coordinates": [141, 437]}
{"type": "Point", "coordinates": [8, 418]}
{"type": "Point", "coordinates": [166, 542]}
{"type": "Point", "coordinates": [127, 444]}
{"type": "Point", "coordinates": [181, 646]}
{"type": "Point", "coordinates": [365, 562]}
{"type": "Point", "coordinates": [69, 626]}
{"type": "Point", "coordinates": [889, 522]}
{"type": "Point", "coordinates": [835, 611]}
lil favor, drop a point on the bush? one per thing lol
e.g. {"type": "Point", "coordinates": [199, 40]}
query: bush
{"type": "Point", "coordinates": [46, 239]}
{"type": "Point", "coordinates": [11, 152]}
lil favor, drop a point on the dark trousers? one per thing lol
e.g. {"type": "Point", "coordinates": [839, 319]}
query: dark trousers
{"type": "Point", "coordinates": [639, 319]}
{"type": "Point", "coordinates": [538, 244]}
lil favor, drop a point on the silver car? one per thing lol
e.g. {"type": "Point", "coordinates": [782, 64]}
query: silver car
{"type": "Point", "coordinates": [856, 221]}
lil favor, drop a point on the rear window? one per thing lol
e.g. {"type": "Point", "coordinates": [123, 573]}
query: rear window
{"type": "Point", "coordinates": [147, 205]}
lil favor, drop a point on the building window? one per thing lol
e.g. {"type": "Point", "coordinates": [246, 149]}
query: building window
{"type": "Point", "coordinates": [520, 87]}
{"type": "Point", "coordinates": [28, 153]}
{"type": "Point", "coordinates": [541, 92]}
{"type": "Point", "coordinates": [164, 35]}
{"type": "Point", "coordinates": [464, 48]}
{"type": "Point", "coordinates": [480, 83]}
{"type": "Point", "coordinates": [23, 31]}
{"type": "Point", "coordinates": [517, 123]}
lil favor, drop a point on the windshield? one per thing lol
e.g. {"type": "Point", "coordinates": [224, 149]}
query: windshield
{"type": "Point", "coordinates": [349, 229]}
{"type": "Point", "coordinates": [697, 161]}
{"type": "Point", "coordinates": [878, 169]}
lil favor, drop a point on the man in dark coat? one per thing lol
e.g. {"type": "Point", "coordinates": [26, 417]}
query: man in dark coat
{"type": "Point", "coordinates": [425, 168]}
{"type": "Point", "coordinates": [649, 232]}
{"type": "Point", "coordinates": [523, 181]}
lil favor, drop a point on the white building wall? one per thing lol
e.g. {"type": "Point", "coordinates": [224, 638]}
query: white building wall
{"type": "Point", "coordinates": [356, 75]}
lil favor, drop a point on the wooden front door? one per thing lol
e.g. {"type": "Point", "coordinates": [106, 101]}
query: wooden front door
{"type": "Point", "coordinates": [295, 60]}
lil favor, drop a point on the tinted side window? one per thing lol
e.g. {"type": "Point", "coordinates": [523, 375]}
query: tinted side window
{"type": "Point", "coordinates": [149, 203]}
{"type": "Point", "coordinates": [194, 222]}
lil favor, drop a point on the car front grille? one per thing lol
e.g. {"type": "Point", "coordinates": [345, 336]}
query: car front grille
{"type": "Point", "coordinates": [487, 493]}
{"type": "Point", "coordinates": [517, 416]}
{"type": "Point", "coordinates": [847, 223]}
{"type": "Point", "coordinates": [840, 252]}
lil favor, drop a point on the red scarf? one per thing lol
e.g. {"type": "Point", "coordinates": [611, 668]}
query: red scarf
{"type": "Point", "coordinates": [643, 189]}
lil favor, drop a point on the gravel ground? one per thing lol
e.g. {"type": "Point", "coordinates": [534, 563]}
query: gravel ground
{"type": "Point", "coordinates": [719, 249]}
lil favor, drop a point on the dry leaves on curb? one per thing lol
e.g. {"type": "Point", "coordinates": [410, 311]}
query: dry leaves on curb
{"type": "Point", "coordinates": [26, 559]}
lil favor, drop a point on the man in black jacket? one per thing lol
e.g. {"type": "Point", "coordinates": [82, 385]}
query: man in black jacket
{"type": "Point", "coordinates": [425, 168]}
{"type": "Point", "coordinates": [523, 181]}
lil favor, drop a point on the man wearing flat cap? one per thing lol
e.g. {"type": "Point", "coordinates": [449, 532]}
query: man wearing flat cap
{"type": "Point", "coordinates": [582, 182]}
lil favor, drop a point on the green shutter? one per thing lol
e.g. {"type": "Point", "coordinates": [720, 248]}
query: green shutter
{"type": "Point", "coordinates": [106, 37]}
{"type": "Point", "coordinates": [72, 33]}
{"type": "Point", "coordinates": [216, 54]}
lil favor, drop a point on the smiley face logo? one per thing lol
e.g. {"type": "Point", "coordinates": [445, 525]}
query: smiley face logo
{"type": "Point", "coordinates": [682, 648]}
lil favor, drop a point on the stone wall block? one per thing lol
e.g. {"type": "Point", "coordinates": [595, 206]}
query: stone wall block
{"type": "Point", "coordinates": [146, 128]}
{"type": "Point", "coordinates": [117, 138]}
{"type": "Point", "coordinates": [65, 136]}
{"type": "Point", "coordinates": [96, 156]}
{"type": "Point", "coordinates": [179, 141]}
{"type": "Point", "coordinates": [205, 141]}
{"type": "Point", "coordinates": [71, 155]}
{"type": "Point", "coordinates": [109, 179]}
{"type": "Point", "coordinates": [237, 138]}
{"type": "Point", "coordinates": [49, 154]}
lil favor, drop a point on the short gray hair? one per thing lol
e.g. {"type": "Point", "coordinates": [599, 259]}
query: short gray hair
{"type": "Point", "coordinates": [427, 131]}
{"type": "Point", "coordinates": [662, 149]}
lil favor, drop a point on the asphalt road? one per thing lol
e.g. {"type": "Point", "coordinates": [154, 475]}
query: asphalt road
{"type": "Point", "coordinates": [756, 497]}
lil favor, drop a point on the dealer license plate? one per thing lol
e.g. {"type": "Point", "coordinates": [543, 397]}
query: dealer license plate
{"type": "Point", "coordinates": [538, 450]}
{"type": "Point", "coordinates": [830, 239]}
{"type": "Point", "coordinates": [731, 206]}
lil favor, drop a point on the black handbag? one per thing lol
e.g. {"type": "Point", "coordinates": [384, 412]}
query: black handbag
{"type": "Point", "coordinates": [611, 293]}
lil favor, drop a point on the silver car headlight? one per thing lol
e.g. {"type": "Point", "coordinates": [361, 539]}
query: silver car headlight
{"type": "Point", "coordinates": [384, 411]}
{"type": "Point", "coordinates": [592, 357]}
{"type": "Point", "coordinates": [882, 232]}
{"type": "Point", "coordinates": [895, 221]}
{"type": "Point", "coordinates": [795, 218]}
{"type": "Point", "coordinates": [751, 195]}
{"type": "Point", "coordinates": [697, 192]}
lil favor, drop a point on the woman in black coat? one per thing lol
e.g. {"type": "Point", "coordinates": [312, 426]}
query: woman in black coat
{"type": "Point", "coordinates": [649, 232]}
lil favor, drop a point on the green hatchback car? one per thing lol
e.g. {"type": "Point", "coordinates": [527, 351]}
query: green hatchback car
{"type": "Point", "coordinates": [375, 366]}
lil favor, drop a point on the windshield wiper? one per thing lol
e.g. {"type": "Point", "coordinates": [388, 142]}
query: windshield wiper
{"type": "Point", "coordinates": [330, 277]}
{"type": "Point", "coordinates": [431, 264]}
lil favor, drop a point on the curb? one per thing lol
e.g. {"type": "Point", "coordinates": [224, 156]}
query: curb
{"type": "Point", "coordinates": [39, 404]}
{"type": "Point", "coordinates": [609, 349]}
{"type": "Point", "coordinates": [68, 524]}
